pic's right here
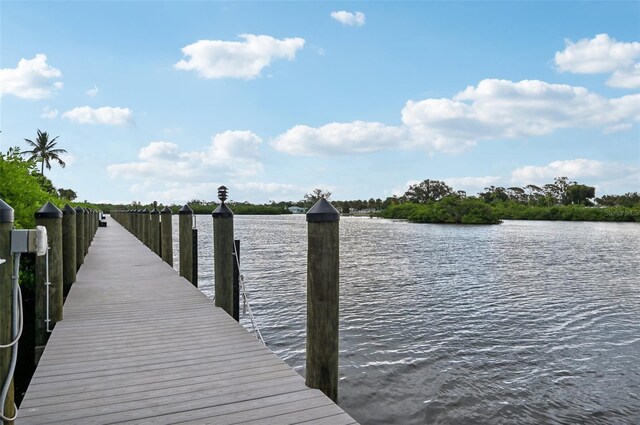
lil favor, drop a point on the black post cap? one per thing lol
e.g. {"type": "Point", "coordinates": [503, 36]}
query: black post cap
{"type": "Point", "coordinates": [48, 210]}
{"type": "Point", "coordinates": [166, 210]}
{"type": "Point", "coordinates": [223, 211]}
{"type": "Point", "coordinates": [144, 211]}
{"type": "Point", "coordinates": [6, 212]}
{"type": "Point", "coordinates": [154, 211]}
{"type": "Point", "coordinates": [68, 210]}
{"type": "Point", "coordinates": [79, 209]}
{"type": "Point", "coordinates": [186, 209]}
{"type": "Point", "coordinates": [322, 211]}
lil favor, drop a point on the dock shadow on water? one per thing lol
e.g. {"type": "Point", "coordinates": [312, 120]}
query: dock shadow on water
{"type": "Point", "coordinates": [526, 322]}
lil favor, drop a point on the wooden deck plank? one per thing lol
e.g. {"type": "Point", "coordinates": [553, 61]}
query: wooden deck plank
{"type": "Point", "coordinates": [139, 343]}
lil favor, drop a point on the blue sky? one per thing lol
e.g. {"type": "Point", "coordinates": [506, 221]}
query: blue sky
{"type": "Point", "coordinates": [168, 100]}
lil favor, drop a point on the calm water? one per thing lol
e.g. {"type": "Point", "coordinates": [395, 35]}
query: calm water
{"type": "Point", "coordinates": [526, 322]}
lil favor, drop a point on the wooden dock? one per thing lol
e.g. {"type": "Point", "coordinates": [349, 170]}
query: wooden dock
{"type": "Point", "coordinates": [140, 344]}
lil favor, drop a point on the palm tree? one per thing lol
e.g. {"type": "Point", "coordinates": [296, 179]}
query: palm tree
{"type": "Point", "coordinates": [43, 151]}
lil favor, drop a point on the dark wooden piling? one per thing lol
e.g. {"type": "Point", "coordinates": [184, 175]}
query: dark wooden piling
{"type": "Point", "coordinates": [50, 217]}
{"type": "Point", "coordinates": [323, 298]}
{"type": "Point", "coordinates": [223, 253]}
{"type": "Point", "coordinates": [79, 237]}
{"type": "Point", "coordinates": [185, 236]}
{"type": "Point", "coordinates": [144, 226]}
{"type": "Point", "coordinates": [236, 280]}
{"type": "Point", "coordinates": [6, 302]}
{"type": "Point", "coordinates": [194, 252]}
{"type": "Point", "coordinates": [167, 236]}
{"type": "Point", "coordinates": [69, 249]}
{"type": "Point", "coordinates": [154, 232]}
{"type": "Point", "coordinates": [87, 230]}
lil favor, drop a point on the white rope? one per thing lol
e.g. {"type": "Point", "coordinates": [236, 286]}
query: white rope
{"type": "Point", "coordinates": [246, 306]}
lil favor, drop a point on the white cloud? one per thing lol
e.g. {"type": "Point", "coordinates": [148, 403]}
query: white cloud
{"type": "Point", "coordinates": [231, 155]}
{"type": "Point", "coordinates": [237, 59]}
{"type": "Point", "coordinates": [473, 185]}
{"type": "Point", "coordinates": [49, 113]}
{"type": "Point", "coordinates": [573, 169]}
{"type": "Point", "coordinates": [31, 79]}
{"type": "Point", "coordinates": [93, 92]}
{"type": "Point", "coordinates": [494, 109]}
{"type": "Point", "coordinates": [106, 115]}
{"type": "Point", "coordinates": [340, 138]}
{"type": "Point", "coordinates": [602, 54]}
{"type": "Point", "coordinates": [351, 19]}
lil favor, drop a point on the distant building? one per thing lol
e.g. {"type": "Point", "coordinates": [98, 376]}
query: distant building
{"type": "Point", "coordinates": [297, 210]}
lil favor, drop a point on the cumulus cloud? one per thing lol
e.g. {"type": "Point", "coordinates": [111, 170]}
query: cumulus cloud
{"type": "Point", "coordinates": [237, 59]}
{"type": "Point", "coordinates": [602, 54]}
{"type": "Point", "coordinates": [92, 92]}
{"type": "Point", "coordinates": [340, 138]}
{"type": "Point", "coordinates": [473, 185]}
{"type": "Point", "coordinates": [49, 113]}
{"type": "Point", "coordinates": [351, 19]}
{"type": "Point", "coordinates": [572, 168]}
{"type": "Point", "coordinates": [230, 154]}
{"type": "Point", "coordinates": [31, 79]}
{"type": "Point", "coordinates": [106, 115]}
{"type": "Point", "coordinates": [494, 109]}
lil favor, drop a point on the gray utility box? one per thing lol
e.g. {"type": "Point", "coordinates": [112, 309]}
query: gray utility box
{"type": "Point", "coordinates": [29, 240]}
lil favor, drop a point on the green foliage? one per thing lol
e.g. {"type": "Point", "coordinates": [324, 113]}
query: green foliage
{"type": "Point", "coordinates": [451, 209]}
{"type": "Point", "coordinates": [427, 190]}
{"type": "Point", "coordinates": [67, 194]}
{"type": "Point", "coordinates": [20, 188]}
{"type": "Point", "coordinates": [45, 151]}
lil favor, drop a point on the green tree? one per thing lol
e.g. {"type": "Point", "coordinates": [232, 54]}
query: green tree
{"type": "Point", "coordinates": [428, 190]}
{"type": "Point", "coordinates": [67, 194]}
{"type": "Point", "coordinates": [44, 150]}
{"type": "Point", "coordinates": [314, 196]}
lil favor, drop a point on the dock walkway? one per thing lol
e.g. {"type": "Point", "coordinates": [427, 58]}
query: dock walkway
{"type": "Point", "coordinates": [140, 344]}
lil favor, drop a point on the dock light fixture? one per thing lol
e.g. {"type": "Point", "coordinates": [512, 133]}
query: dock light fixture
{"type": "Point", "coordinates": [222, 193]}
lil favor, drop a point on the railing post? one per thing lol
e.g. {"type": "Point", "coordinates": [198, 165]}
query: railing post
{"type": "Point", "coordinates": [50, 217]}
{"type": "Point", "coordinates": [223, 253]}
{"type": "Point", "coordinates": [167, 236]}
{"type": "Point", "coordinates": [154, 234]}
{"type": "Point", "coordinates": [6, 302]}
{"type": "Point", "coordinates": [194, 252]}
{"type": "Point", "coordinates": [79, 237]}
{"type": "Point", "coordinates": [68, 247]}
{"type": "Point", "coordinates": [185, 219]}
{"type": "Point", "coordinates": [323, 289]}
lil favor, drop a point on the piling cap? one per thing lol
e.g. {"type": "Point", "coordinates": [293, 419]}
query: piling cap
{"type": "Point", "coordinates": [79, 209]}
{"type": "Point", "coordinates": [223, 211]}
{"type": "Point", "coordinates": [68, 210]}
{"type": "Point", "coordinates": [154, 211]}
{"type": "Point", "coordinates": [6, 212]}
{"type": "Point", "coordinates": [144, 211]}
{"type": "Point", "coordinates": [322, 211]}
{"type": "Point", "coordinates": [48, 210]}
{"type": "Point", "coordinates": [186, 209]}
{"type": "Point", "coordinates": [166, 210]}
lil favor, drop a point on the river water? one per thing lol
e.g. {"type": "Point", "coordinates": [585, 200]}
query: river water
{"type": "Point", "coordinates": [525, 322]}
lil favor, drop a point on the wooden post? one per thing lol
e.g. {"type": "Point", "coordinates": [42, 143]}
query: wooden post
{"type": "Point", "coordinates": [194, 251]}
{"type": "Point", "coordinates": [144, 227]}
{"type": "Point", "coordinates": [323, 298]}
{"type": "Point", "coordinates": [154, 234]}
{"type": "Point", "coordinates": [79, 237]}
{"type": "Point", "coordinates": [185, 236]}
{"type": "Point", "coordinates": [236, 281]}
{"type": "Point", "coordinates": [223, 253]}
{"type": "Point", "coordinates": [68, 248]}
{"type": "Point", "coordinates": [87, 231]}
{"type": "Point", "coordinates": [167, 236]}
{"type": "Point", "coordinates": [6, 302]}
{"type": "Point", "coordinates": [50, 217]}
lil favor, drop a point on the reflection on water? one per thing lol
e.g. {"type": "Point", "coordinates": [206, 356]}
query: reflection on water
{"type": "Point", "coordinates": [527, 322]}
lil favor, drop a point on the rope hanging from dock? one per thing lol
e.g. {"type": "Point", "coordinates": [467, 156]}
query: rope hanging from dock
{"type": "Point", "coordinates": [246, 307]}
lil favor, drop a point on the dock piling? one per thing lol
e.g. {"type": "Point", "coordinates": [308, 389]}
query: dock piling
{"type": "Point", "coordinates": [50, 217]}
{"type": "Point", "coordinates": [185, 235]}
{"type": "Point", "coordinates": [6, 303]}
{"type": "Point", "coordinates": [69, 248]}
{"type": "Point", "coordinates": [223, 246]}
{"type": "Point", "coordinates": [323, 287]}
{"type": "Point", "coordinates": [167, 236]}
